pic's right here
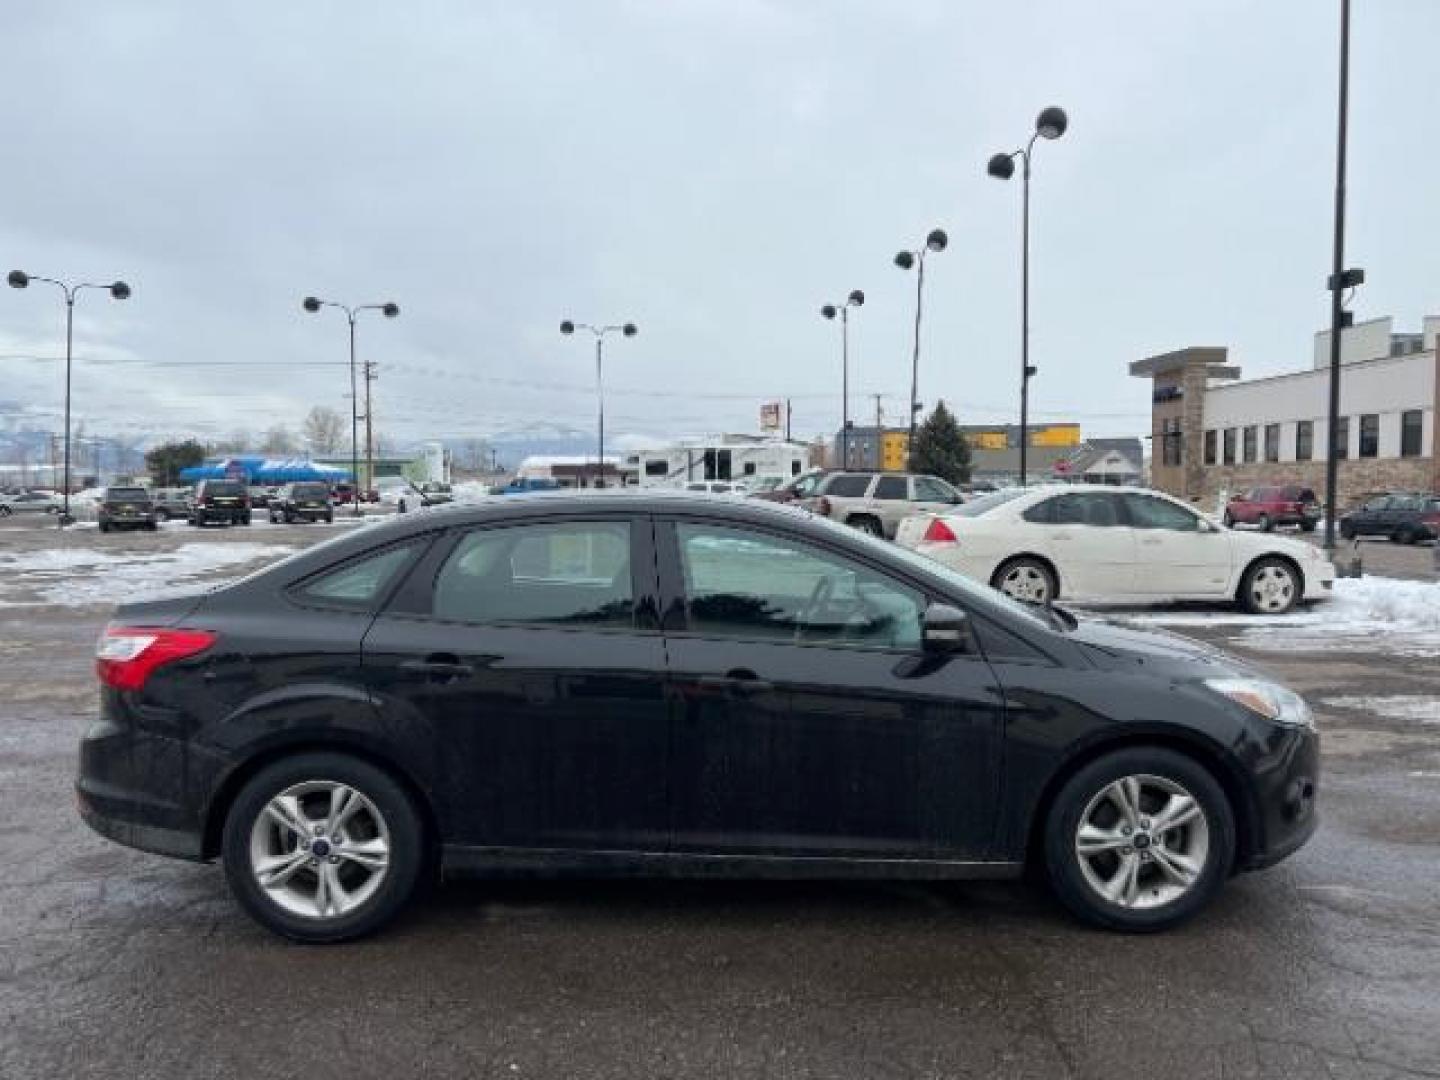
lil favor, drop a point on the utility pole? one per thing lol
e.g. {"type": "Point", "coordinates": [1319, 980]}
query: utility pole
{"type": "Point", "coordinates": [879, 415]}
{"type": "Point", "coordinates": [369, 428]}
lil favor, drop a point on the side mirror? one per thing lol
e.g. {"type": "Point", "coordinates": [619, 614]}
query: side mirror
{"type": "Point", "coordinates": [946, 630]}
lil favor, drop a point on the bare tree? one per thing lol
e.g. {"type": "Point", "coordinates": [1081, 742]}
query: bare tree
{"type": "Point", "coordinates": [278, 440]}
{"type": "Point", "coordinates": [323, 428]}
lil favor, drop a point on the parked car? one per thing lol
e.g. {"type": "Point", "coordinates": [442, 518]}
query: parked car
{"type": "Point", "coordinates": [714, 487]}
{"type": "Point", "coordinates": [764, 482]}
{"type": "Point", "coordinates": [220, 500]}
{"type": "Point", "coordinates": [674, 685]}
{"type": "Point", "coordinates": [522, 485]}
{"type": "Point", "coordinates": [171, 503]}
{"type": "Point", "coordinates": [877, 502]}
{"type": "Point", "coordinates": [344, 494]}
{"type": "Point", "coordinates": [1405, 517]}
{"type": "Point", "coordinates": [307, 501]}
{"type": "Point", "coordinates": [1099, 543]}
{"type": "Point", "coordinates": [435, 493]}
{"type": "Point", "coordinates": [1271, 506]}
{"type": "Point", "coordinates": [29, 502]}
{"type": "Point", "coordinates": [127, 507]}
{"type": "Point", "coordinates": [794, 489]}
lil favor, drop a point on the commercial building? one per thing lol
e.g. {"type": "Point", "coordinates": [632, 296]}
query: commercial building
{"type": "Point", "coordinates": [1213, 433]}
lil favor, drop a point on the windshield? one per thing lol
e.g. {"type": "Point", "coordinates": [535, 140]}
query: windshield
{"type": "Point", "coordinates": [224, 487]}
{"type": "Point", "coordinates": [310, 491]}
{"type": "Point", "coordinates": [128, 493]}
{"type": "Point", "coordinates": [985, 503]}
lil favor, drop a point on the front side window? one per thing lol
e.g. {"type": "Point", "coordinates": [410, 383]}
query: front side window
{"type": "Point", "coordinates": [572, 574]}
{"type": "Point", "coordinates": [1411, 426]}
{"type": "Point", "coordinates": [1272, 442]}
{"type": "Point", "coordinates": [1304, 440]}
{"type": "Point", "coordinates": [1370, 435]}
{"type": "Point", "coordinates": [746, 584]}
{"type": "Point", "coordinates": [1148, 512]}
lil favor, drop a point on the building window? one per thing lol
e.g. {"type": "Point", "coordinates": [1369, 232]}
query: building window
{"type": "Point", "coordinates": [1229, 446]}
{"type": "Point", "coordinates": [1304, 440]}
{"type": "Point", "coordinates": [1370, 435]}
{"type": "Point", "coordinates": [1272, 442]}
{"type": "Point", "coordinates": [1170, 442]}
{"type": "Point", "coordinates": [1210, 447]}
{"type": "Point", "coordinates": [1411, 425]}
{"type": "Point", "coordinates": [1342, 438]}
{"type": "Point", "coordinates": [1250, 434]}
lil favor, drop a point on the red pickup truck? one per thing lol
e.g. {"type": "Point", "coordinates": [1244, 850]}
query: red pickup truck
{"type": "Point", "coordinates": [1271, 506]}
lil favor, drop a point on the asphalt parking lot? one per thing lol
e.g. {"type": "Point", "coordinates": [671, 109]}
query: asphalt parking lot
{"type": "Point", "coordinates": [118, 964]}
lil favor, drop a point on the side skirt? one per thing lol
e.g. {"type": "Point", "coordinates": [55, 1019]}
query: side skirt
{"type": "Point", "coordinates": [459, 860]}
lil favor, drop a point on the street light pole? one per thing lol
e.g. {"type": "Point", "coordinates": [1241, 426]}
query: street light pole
{"type": "Point", "coordinates": [936, 241]}
{"type": "Point", "coordinates": [1050, 124]}
{"type": "Point", "coordinates": [629, 330]}
{"type": "Point", "coordinates": [118, 290]}
{"type": "Point", "coordinates": [1340, 279]}
{"type": "Point", "coordinates": [390, 310]}
{"type": "Point", "coordinates": [855, 299]}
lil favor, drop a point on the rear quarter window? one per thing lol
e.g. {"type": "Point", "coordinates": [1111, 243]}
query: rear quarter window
{"type": "Point", "coordinates": [847, 487]}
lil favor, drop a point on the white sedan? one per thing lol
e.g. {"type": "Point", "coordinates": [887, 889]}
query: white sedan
{"type": "Point", "coordinates": [1116, 545]}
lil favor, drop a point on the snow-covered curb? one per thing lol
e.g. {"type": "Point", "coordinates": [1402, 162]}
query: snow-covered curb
{"type": "Point", "coordinates": [1392, 707]}
{"type": "Point", "coordinates": [1368, 614]}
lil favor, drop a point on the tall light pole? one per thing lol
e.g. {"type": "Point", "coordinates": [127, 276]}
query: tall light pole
{"type": "Point", "coordinates": [312, 304]}
{"type": "Point", "coordinates": [855, 299]}
{"type": "Point", "coordinates": [119, 291]}
{"type": "Point", "coordinates": [1340, 280]}
{"type": "Point", "coordinates": [629, 329]}
{"type": "Point", "coordinates": [1050, 124]}
{"type": "Point", "coordinates": [936, 241]}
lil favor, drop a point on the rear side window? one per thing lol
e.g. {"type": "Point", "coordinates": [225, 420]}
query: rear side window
{"type": "Point", "coordinates": [848, 486]}
{"type": "Point", "coordinates": [891, 487]}
{"type": "Point", "coordinates": [575, 574]}
{"type": "Point", "coordinates": [362, 583]}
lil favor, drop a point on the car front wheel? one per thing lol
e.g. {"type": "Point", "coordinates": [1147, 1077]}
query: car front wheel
{"type": "Point", "coordinates": [1028, 580]}
{"type": "Point", "coordinates": [1139, 840]}
{"type": "Point", "coordinates": [322, 847]}
{"type": "Point", "coordinates": [1270, 587]}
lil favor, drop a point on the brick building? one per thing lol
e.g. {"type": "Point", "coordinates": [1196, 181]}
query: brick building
{"type": "Point", "coordinates": [1213, 433]}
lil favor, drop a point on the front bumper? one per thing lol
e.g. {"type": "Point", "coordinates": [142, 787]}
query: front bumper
{"type": "Point", "coordinates": [1287, 783]}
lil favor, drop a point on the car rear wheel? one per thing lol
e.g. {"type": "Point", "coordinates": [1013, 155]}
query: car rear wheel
{"type": "Point", "coordinates": [5, 511]}
{"type": "Point", "coordinates": [1270, 587]}
{"type": "Point", "coordinates": [1028, 580]}
{"type": "Point", "coordinates": [1229, 520]}
{"type": "Point", "coordinates": [323, 847]}
{"type": "Point", "coordinates": [866, 525]}
{"type": "Point", "coordinates": [1139, 840]}
{"type": "Point", "coordinates": [1264, 523]}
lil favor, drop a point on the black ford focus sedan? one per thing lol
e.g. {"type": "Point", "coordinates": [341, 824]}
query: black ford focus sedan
{"type": "Point", "coordinates": [668, 685]}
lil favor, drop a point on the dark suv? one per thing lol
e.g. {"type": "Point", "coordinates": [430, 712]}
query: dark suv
{"type": "Point", "coordinates": [1405, 517]}
{"type": "Point", "coordinates": [126, 508]}
{"type": "Point", "coordinates": [1271, 506]}
{"type": "Point", "coordinates": [302, 502]}
{"type": "Point", "coordinates": [220, 500]}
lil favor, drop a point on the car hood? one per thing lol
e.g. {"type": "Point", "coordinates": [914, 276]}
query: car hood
{"type": "Point", "coordinates": [1112, 645]}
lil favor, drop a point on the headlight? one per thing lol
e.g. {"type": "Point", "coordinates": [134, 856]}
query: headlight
{"type": "Point", "coordinates": [1266, 699]}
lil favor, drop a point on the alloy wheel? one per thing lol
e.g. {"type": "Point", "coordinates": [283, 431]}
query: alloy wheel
{"type": "Point", "coordinates": [1143, 842]}
{"type": "Point", "coordinates": [320, 849]}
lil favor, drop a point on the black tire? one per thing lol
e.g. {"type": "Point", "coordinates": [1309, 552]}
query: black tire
{"type": "Point", "coordinates": [104, 526]}
{"type": "Point", "coordinates": [5, 511]}
{"type": "Point", "coordinates": [1066, 869]}
{"type": "Point", "coordinates": [1032, 565]}
{"type": "Point", "coordinates": [1229, 520]}
{"type": "Point", "coordinates": [1347, 530]}
{"type": "Point", "coordinates": [407, 846]}
{"type": "Point", "coordinates": [151, 526]}
{"type": "Point", "coordinates": [330, 519]}
{"type": "Point", "coordinates": [1307, 526]}
{"type": "Point", "coordinates": [1398, 536]}
{"type": "Point", "coordinates": [1269, 567]}
{"type": "Point", "coordinates": [866, 524]}
{"type": "Point", "coordinates": [1264, 523]}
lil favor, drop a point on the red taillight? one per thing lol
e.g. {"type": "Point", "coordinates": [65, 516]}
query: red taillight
{"type": "Point", "coordinates": [125, 656]}
{"type": "Point", "coordinates": [940, 533]}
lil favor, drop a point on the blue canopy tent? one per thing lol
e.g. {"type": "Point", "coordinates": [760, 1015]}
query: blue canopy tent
{"type": "Point", "coordinates": [264, 471]}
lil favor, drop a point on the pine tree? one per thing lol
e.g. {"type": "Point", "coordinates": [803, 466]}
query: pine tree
{"type": "Point", "coordinates": [941, 448]}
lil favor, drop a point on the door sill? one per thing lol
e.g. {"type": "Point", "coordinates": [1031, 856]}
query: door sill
{"type": "Point", "coordinates": [463, 860]}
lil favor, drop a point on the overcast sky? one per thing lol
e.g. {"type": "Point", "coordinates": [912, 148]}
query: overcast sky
{"type": "Point", "coordinates": [713, 170]}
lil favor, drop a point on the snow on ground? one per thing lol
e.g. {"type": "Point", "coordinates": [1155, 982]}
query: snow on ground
{"type": "Point", "coordinates": [78, 576]}
{"type": "Point", "coordinates": [1366, 614]}
{"type": "Point", "coordinates": [1392, 707]}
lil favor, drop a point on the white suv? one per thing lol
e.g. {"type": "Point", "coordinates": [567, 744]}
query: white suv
{"type": "Point", "coordinates": [877, 502]}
